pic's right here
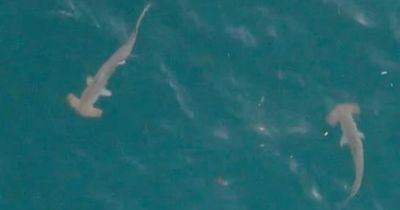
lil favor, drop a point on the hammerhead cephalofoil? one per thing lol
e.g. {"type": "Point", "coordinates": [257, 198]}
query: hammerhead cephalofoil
{"type": "Point", "coordinates": [97, 86]}
{"type": "Point", "coordinates": [351, 136]}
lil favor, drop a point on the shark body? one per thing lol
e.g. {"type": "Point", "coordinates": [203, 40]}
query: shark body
{"type": "Point", "coordinates": [96, 86]}
{"type": "Point", "coordinates": [343, 114]}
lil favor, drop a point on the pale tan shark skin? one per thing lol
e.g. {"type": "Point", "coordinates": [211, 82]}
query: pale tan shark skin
{"type": "Point", "coordinates": [96, 86]}
{"type": "Point", "coordinates": [343, 114]}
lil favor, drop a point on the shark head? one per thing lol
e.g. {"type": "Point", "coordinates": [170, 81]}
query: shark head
{"type": "Point", "coordinates": [343, 109]}
{"type": "Point", "coordinates": [84, 110]}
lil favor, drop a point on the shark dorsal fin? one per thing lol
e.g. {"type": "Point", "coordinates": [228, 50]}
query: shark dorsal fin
{"type": "Point", "coordinates": [361, 135]}
{"type": "Point", "coordinates": [89, 80]}
{"type": "Point", "coordinates": [105, 92]}
{"type": "Point", "coordinates": [121, 62]}
{"type": "Point", "coordinates": [344, 141]}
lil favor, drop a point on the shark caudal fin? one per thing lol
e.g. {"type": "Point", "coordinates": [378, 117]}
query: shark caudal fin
{"type": "Point", "coordinates": [84, 111]}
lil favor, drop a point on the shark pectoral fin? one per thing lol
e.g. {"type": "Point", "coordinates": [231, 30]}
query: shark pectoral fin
{"type": "Point", "coordinates": [89, 80]}
{"type": "Point", "coordinates": [343, 141]}
{"type": "Point", "coordinates": [105, 92]}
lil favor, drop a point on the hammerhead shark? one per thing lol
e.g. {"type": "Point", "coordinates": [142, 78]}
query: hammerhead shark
{"type": "Point", "coordinates": [96, 86]}
{"type": "Point", "coordinates": [343, 113]}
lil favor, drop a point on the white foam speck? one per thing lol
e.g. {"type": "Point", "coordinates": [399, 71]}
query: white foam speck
{"type": "Point", "coordinates": [361, 19]}
{"type": "Point", "coordinates": [242, 34]}
{"type": "Point", "coordinates": [315, 194]}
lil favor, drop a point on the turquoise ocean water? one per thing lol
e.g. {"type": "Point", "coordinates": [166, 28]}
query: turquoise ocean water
{"type": "Point", "coordinates": [221, 106]}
